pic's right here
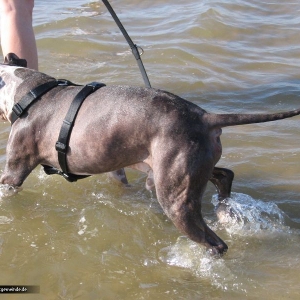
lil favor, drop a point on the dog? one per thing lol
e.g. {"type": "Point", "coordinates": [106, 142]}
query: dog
{"type": "Point", "coordinates": [174, 141]}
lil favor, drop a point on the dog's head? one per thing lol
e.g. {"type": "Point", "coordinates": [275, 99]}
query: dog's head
{"type": "Point", "coordinates": [9, 81]}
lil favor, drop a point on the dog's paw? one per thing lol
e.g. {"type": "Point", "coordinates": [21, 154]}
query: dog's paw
{"type": "Point", "coordinates": [120, 176]}
{"type": "Point", "coordinates": [7, 190]}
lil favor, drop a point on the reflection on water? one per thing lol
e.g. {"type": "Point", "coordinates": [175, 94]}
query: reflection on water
{"type": "Point", "coordinates": [97, 240]}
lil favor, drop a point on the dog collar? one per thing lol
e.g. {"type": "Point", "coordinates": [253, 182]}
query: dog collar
{"type": "Point", "coordinates": [21, 107]}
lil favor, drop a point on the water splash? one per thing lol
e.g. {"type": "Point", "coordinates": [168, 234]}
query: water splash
{"type": "Point", "coordinates": [5, 220]}
{"type": "Point", "coordinates": [243, 215]}
{"type": "Point", "coordinates": [189, 255]}
{"type": "Point", "coordinates": [7, 190]}
{"type": "Point", "coordinates": [83, 225]}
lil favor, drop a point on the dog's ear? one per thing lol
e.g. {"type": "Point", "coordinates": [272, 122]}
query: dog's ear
{"type": "Point", "coordinates": [13, 60]}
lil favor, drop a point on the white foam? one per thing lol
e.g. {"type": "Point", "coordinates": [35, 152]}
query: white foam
{"type": "Point", "coordinates": [187, 254]}
{"type": "Point", "coordinates": [7, 190]}
{"type": "Point", "coordinates": [250, 216]}
{"type": "Point", "coordinates": [5, 220]}
{"type": "Point", "coordinates": [253, 218]}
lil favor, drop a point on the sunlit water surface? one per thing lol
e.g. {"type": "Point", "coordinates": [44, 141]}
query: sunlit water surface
{"type": "Point", "coordinates": [95, 239]}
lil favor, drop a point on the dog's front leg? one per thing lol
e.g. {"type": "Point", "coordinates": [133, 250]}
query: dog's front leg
{"type": "Point", "coordinates": [119, 175]}
{"type": "Point", "coordinates": [22, 156]}
{"type": "Point", "coordinates": [15, 172]}
{"type": "Point", "coordinates": [11, 180]}
{"type": "Point", "coordinates": [144, 167]}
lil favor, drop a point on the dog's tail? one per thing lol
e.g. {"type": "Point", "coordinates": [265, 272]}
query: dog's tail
{"type": "Point", "coordinates": [224, 120]}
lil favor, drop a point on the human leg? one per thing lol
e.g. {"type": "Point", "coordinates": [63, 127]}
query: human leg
{"type": "Point", "coordinates": [17, 34]}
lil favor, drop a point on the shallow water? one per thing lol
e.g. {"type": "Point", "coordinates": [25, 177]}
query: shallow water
{"type": "Point", "coordinates": [97, 240]}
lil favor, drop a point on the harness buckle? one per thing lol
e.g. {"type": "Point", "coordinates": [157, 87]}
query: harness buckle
{"type": "Point", "coordinates": [18, 110]}
{"type": "Point", "coordinates": [96, 85]}
{"type": "Point", "coordinates": [61, 147]}
{"type": "Point", "coordinates": [69, 177]}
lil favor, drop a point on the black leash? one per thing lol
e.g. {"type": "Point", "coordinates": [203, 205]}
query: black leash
{"type": "Point", "coordinates": [134, 47]}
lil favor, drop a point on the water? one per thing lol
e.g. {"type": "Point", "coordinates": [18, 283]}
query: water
{"type": "Point", "coordinates": [97, 240]}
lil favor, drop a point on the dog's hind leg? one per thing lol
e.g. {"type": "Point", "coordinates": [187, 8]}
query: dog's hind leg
{"type": "Point", "coordinates": [222, 179]}
{"type": "Point", "coordinates": [180, 182]}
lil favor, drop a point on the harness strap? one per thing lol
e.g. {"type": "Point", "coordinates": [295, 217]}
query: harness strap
{"type": "Point", "coordinates": [62, 143]}
{"type": "Point", "coordinates": [21, 107]}
{"type": "Point", "coordinates": [70, 177]}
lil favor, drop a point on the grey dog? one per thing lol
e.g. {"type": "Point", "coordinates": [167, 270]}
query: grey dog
{"type": "Point", "coordinates": [174, 141]}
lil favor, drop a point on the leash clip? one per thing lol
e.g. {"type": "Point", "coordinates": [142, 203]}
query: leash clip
{"type": "Point", "coordinates": [61, 147]}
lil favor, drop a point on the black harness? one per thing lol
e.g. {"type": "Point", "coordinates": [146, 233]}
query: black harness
{"type": "Point", "coordinates": [62, 144]}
